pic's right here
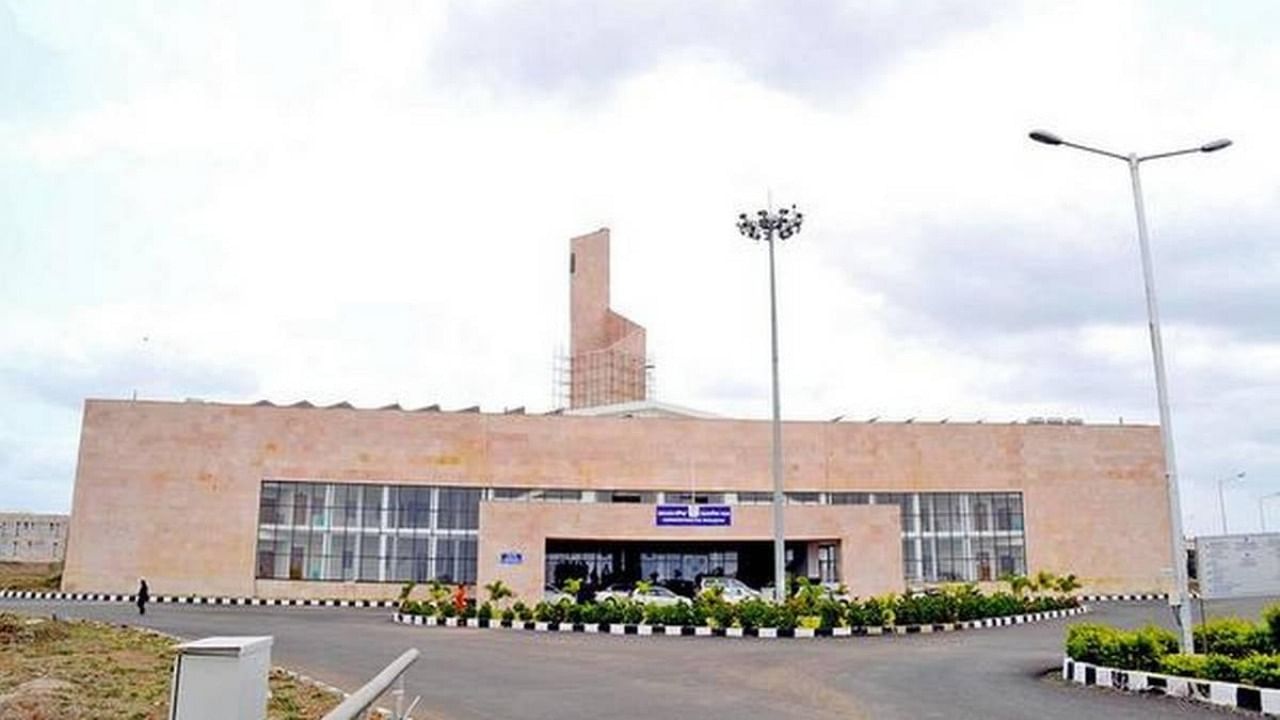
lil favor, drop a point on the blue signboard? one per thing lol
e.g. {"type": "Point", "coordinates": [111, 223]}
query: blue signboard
{"type": "Point", "coordinates": [510, 558]}
{"type": "Point", "coordinates": [696, 515]}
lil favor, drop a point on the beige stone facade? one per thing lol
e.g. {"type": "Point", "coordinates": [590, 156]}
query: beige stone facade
{"type": "Point", "coordinates": [520, 528]}
{"type": "Point", "coordinates": [32, 537]}
{"type": "Point", "coordinates": [171, 491]}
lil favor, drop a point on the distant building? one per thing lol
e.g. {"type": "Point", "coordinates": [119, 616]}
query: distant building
{"type": "Point", "coordinates": [32, 537]}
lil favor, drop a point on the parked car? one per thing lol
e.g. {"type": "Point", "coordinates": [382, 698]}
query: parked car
{"type": "Point", "coordinates": [733, 590]}
{"type": "Point", "coordinates": [617, 591]}
{"type": "Point", "coordinates": [659, 595]}
{"type": "Point", "coordinates": [552, 594]}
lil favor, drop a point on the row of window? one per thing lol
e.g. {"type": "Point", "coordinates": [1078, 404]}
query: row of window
{"type": "Point", "coordinates": [381, 507]}
{"type": "Point", "coordinates": [344, 531]}
{"type": "Point", "coordinates": [373, 533]}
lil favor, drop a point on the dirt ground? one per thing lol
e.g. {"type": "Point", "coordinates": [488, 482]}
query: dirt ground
{"type": "Point", "coordinates": [30, 576]}
{"type": "Point", "coordinates": [57, 669]}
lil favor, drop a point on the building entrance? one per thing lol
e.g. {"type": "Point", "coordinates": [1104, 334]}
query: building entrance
{"type": "Point", "coordinates": [679, 566]}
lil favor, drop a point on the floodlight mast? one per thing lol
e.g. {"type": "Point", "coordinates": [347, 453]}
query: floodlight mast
{"type": "Point", "coordinates": [1178, 552]}
{"type": "Point", "coordinates": [766, 226]}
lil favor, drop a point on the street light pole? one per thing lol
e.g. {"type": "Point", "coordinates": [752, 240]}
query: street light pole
{"type": "Point", "coordinates": [1222, 498]}
{"type": "Point", "coordinates": [784, 223]}
{"type": "Point", "coordinates": [1178, 552]}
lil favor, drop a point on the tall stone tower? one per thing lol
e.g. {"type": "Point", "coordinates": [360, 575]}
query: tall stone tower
{"type": "Point", "coordinates": [606, 350]}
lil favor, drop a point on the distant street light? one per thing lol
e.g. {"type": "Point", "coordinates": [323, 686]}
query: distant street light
{"type": "Point", "coordinates": [783, 223]}
{"type": "Point", "coordinates": [1222, 499]}
{"type": "Point", "coordinates": [1178, 552]}
{"type": "Point", "coordinates": [1262, 515]}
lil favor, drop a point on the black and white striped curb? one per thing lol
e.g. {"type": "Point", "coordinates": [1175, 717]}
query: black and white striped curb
{"type": "Point", "coordinates": [1213, 692]}
{"type": "Point", "coordinates": [385, 604]}
{"type": "Point", "coordinates": [734, 632]}
{"type": "Point", "coordinates": [196, 599]}
{"type": "Point", "coordinates": [1132, 597]}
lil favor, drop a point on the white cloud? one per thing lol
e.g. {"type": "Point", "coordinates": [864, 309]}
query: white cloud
{"type": "Point", "coordinates": [306, 209]}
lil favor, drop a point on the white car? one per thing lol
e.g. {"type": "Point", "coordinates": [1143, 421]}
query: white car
{"type": "Point", "coordinates": [658, 595]}
{"type": "Point", "coordinates": [617, 591]}
{"type": "Point", "coordinates": [553, 595]}
{"type": "Point", "coordinates": [732, 590]}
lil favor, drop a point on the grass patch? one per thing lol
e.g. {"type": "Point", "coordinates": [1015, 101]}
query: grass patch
{"type": "Point", "coordinates": [30, 576]}
{"type": "Point", "coordinates": [58, 669]}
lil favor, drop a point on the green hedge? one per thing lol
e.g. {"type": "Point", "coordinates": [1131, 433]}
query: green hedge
{"type": "Point", "coordinates": [811, 607]}
{"type": "Point", "coordinates": [1234, 650]}
{"type": "Point", "coordinates": [1142, 649]}
{"type": "Point", "coordinates": [1233, 637]}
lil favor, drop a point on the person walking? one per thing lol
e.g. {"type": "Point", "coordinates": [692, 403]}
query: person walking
{"type": "Point", "coordinates": [143, 596]}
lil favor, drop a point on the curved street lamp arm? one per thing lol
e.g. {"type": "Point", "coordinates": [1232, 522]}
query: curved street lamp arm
{"type": "Point", "coordinates": [1096, 151]}
{"type": "Point", "coordinates": [1173, 153]}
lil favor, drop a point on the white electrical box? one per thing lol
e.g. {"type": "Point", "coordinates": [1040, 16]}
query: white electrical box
{"type": "Point", "coordinates": [221, 678]}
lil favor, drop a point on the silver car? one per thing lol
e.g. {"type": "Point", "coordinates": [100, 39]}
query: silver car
{"type": "Point", "coordinates": [658, 595]}
{"type": "Point", "coordinates": [732, 590]}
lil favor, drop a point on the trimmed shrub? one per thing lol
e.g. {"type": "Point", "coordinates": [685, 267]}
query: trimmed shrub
{"type": "Point", "coordinates": [1091, 643]}
{"type": "Point", "coordinates": [710, 608]}
{"type": "Point", "coordinates": [678, 614]}
{"type": "Point", "coordinates": [485, 611]}
{"type": "Point", "coordinates": [509, 615]}
{"type": "Point", "coordinates": [1271, 618]}
{"type": "Point", "coordinates": [522, 611]}
{"type": "Point", "coordinates": [831, 613]}
{"type": "Point", "coordinates": [1184, 665]}
{"type": "Point", "coordinates": [551, 612]}
{"type": "Point", "coordinates": [754, 613]}
{"type": "Point", "coordinates": [1234, 637]}
{"type": "Point", "coordinates": [1131, 650]}
{"type": "Point", "coordinates": [871, 612]}
{"type": "Point", "coordinates": [1000, 604]}
{"type": "Point", "coordinates": [1260, 670]}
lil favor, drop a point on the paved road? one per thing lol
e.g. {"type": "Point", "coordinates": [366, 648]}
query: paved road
{"type": "Point", "coordinates": [470, 674]}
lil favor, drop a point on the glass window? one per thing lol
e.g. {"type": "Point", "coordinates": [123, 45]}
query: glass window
{"type": "Point", "coordinates": [684, 498]}
{"type": "Point", "coordinates": [459, 509]}
{"type": "Point", "coordinates": [802, 498]}
{"type": "Point", "coordinates": [850, 498]}
{"type": "Point", "coordinates": [629, 496]}
{"type": "Point", "coordinates": [556, 495]}
{"type": "Point", "coordinates": [371, 506]}
{"type": "Point", "coordinates": [335, 531]}
{"type": "Point", "coordinates": [755, 498]}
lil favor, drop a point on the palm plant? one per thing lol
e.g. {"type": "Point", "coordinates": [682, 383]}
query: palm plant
{"type": "Point", "coordinates": [573, 587]}
{"type": "Point", "coordinates": [1045, 581]}
{"type": "Point", "coordinates": [439, 591]}
{"type": "Point", "coordinates": [1018, 584]}
{"type": "Point", "coordinates": [1068, 584]}
{"type": "Point", "coordinates": [498, 591]}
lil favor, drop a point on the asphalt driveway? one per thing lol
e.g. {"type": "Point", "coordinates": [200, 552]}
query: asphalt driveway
{"type": "Point", "coordinates": [467, 674]}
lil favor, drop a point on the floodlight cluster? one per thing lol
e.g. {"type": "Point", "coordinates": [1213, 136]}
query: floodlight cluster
{"type": "Point", "coordinates": [785, 223]}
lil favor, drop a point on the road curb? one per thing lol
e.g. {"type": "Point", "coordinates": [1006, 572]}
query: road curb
{"type": "Point", "coordinates": [1130, 597]}
{"type": "Point", "coordinates": [1211, 692]}
{"type": "Point", "coordinates": [642, 629]}
{"type": "Point", "coordinates": [196, 600]}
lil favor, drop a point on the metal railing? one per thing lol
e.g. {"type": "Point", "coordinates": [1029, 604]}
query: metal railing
{"type": "Point", "coordinates": [361, 700]}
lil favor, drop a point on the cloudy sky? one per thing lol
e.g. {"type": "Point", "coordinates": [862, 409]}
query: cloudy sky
{"type": "Point", "coordinates": [301, 200]}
